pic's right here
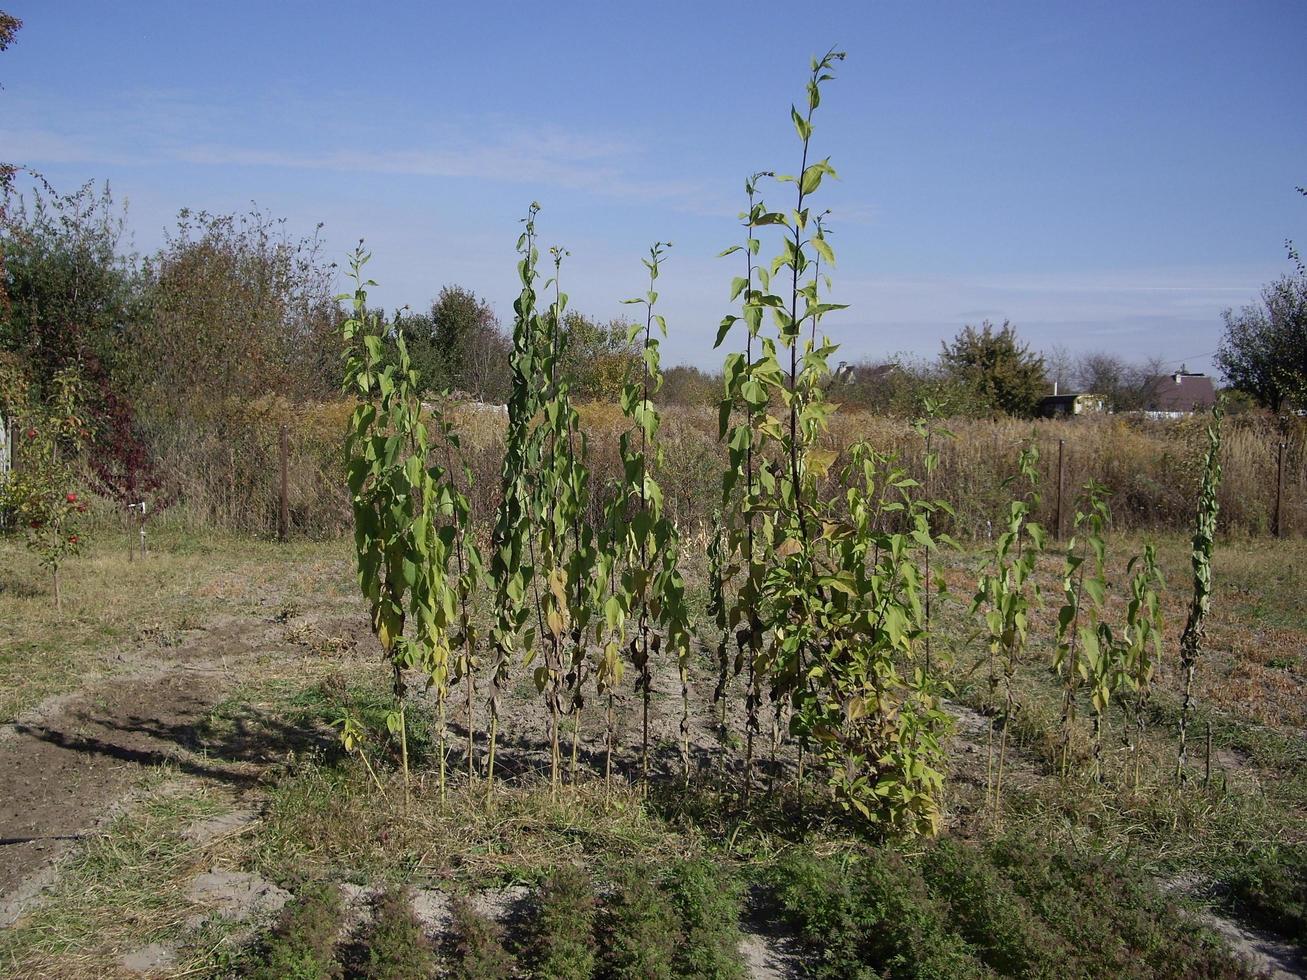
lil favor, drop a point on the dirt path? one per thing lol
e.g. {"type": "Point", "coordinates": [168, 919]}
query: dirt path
{"type": "Point", "coordinates": [69, 764]}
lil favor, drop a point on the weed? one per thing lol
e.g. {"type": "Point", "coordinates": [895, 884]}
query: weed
{"type": "Point", "coordinates": [1270, 886]}
{"type": "Point", "coordinates": [396, 947]}
{"type": "Point", "coordinates": [562, 931]}
{"type": "Point", "coordinates": [478, 945]}
{"type": "Point", "coordinates": [302, 945]}
{"type": "Point", "coordinates": [640, 929]}
{"type": "Point", "coordinates": [708, 904]}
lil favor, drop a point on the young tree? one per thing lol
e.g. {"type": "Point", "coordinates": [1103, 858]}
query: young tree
{"type": "Point", "coordinates": [238, 307]}
{"type": "Point", "coordinates": [1008, 376]}
{"type": "Point", "coordinates": [455, 342]}
{"type": "Point", "coordinates": [598, 356]}
{"type": "Point", "coordinates": [1264, 350]}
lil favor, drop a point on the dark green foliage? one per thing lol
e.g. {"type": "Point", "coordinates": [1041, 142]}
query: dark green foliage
{"type": "Point", "coordinates": [1271, 888]}
{"type": "Point", "coordinates": [69, 292]}
{"type": "Point", "coordinates": [302, 946]}
{"type": "Point", "coordinates": [871, 918]}
{"type": "Point", "coordinates": [1264, 350]}
{"type": "Point", "coordinates": [1112, 922]}
{"type": "Point", "coordinates": [640, 931]}
{"type": "Point", "coordinates": [1008, 909]}
{"type": "Point", "coordinates": [562, 932]}
{"type": "Point", "coordinates": [478, 945]}
{"type": "Point", "coordinates": [708, 904]}
{"type": "Point", "coordinates": [597, 357]}
{"type": "Point", "coordinates": [396, 947]}
{"type": "Point", "coordinates": [1003, 372]}
{"type": "Point", "coordinates": [458, 344]}
{"type": "Point", "coordinates": [983, 908]}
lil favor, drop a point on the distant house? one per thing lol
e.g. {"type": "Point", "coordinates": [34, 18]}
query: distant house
{"type": "Point", "coordinates": [1173, 396]}
{"type": "Point", "coordinates": [1085, 403]}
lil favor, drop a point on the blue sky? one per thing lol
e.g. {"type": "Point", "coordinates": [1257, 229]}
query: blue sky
{"type": "Point", "coordinates": [1107, 176]}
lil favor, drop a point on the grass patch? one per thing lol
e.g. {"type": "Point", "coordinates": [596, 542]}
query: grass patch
{"type": "Point", "coordinates": [123, 889]}
{"type": "Point", "coordinates": [1270, 887]}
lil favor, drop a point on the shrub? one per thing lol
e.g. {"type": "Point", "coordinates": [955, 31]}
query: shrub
{"type": "Point", "coordinates": [983, 908]}
{"type": "Point", "coordinates": [478, 945]}
{"type": "Point", "coordinates": [396, 947]}
{"type": "Point", "coordinates": [1271, 887]}
{"type": "Point", "coordinates": [1111, 921]}
{"type": "Point", "coordinates": [302, 945]}
{"type": "Point", "coordinates": [874, 919]}
{"type": "Point", "coordinates": [640, 930]}
{"type": "Point", "coordinates": [708, 903]}
{"type": "Point", "coordinates": [562, 932]}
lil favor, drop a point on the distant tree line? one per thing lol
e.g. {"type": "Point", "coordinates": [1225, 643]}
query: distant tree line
{"type": "Point", "coordinates": [237, 307]}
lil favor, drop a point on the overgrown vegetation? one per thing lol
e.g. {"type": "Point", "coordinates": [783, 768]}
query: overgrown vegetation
{"type": "Point", "coordinates": [826, 583]}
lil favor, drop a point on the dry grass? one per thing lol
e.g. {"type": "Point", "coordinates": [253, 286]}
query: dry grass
{"type": "Point", "coordinates": [115, 610]}
{"type": "Point", "coordinates": [225, 465]}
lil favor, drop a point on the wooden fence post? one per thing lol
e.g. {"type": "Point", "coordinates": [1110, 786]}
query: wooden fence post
{"type": "Point", "coordinates": [283, 511]}
{"type": "Point", "coordinates": [1278, 526]}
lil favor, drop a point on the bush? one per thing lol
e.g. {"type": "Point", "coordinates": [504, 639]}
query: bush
{"type": "Point", "coordinates": [478, 945]}
{"type": "Point", "coordinates": [640, 930]}
{"type": "Point", "coordinates": [302, 945]}
{"type": "Point", "coordinates": [1111, 921]}
{"type": "Point", "coordinates": [562, 931]}
{"type": "Point", "coordinates": [708, 903]}
{"type": "Point", "coordinates": [396, 947]}
{"type": "Point", "coordinates": [1271, 888]}
{"type": "Point", "coordinates": [873, 919]}
{"type": "Point", "coordinates": [983, 908]}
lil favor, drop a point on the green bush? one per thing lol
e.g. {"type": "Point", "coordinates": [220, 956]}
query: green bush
{"type": "Point", "coordinates": [1111, 921]}
{"type": "Point", "coordinates": [983, 908]}
{"type": "Point", "coordinates": [874, 918]}
{"type": "Point", "coordinates": [302, 944]}
{"type": "Point", "coordinates": [1271, 888]}
{"type": "Point", "coordinates": [396, 947]}
{"type": "Point", "coordinates": [562, 932]}
{"type": "Point", "coordinates": [640, 929]}
{"type": "Point", "coordinates": [708, 903]}
{"type": "Point", "coordinates": [478, 945]}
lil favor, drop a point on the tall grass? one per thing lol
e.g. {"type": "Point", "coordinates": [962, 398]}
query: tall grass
{"type": "Point", "coordinates": [224, 465]}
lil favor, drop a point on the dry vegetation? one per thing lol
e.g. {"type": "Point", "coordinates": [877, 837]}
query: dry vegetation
{"type": "Point", "coordinates": [315, 819]}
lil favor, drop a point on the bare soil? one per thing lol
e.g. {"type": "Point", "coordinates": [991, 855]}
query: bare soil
{"type": "Point", "coordinates": [73, 762]}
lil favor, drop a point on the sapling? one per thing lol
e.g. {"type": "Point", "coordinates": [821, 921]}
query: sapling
{"type": "Point", "coordinates": [1200, 559]}
{"type": "Point", "coordinates": [651, 581]}
{"type": "Point", "coordinates": [1086, 539]}
{"type": "Point", "coordinates": [1005, 593]}
{"type": "Point", "coordinates": [1143, 637]}
{"type": "Point", "coordinates": [391, 493]}
{"type": "Point", "coordinates": [511, 569]}
{"type": "Point", "coordinates": [745, 390]}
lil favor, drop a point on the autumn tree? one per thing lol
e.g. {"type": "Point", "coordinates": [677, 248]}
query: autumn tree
{"type": "Point", "coordinates": [1003, 372]}
{"type": "Point", "coordinates": [1263, 352]}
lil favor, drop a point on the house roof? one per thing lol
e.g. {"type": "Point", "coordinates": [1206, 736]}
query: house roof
{"type": "Point", "coordinates": [1180, 392]}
